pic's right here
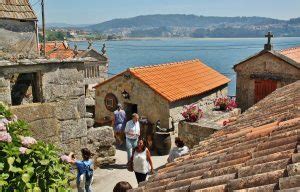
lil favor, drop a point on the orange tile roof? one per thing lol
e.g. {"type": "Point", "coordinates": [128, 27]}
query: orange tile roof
{"type": "Point", "coordinates": [292, 53]}
{"type": "Point", "coordinates": [58, 50]}
{"type": "Point", "coordinates": [62, 54]}
{"type": "Point", "coordinates": [259, 152]}
{"type": "Point", "coordinates": [175, 81]}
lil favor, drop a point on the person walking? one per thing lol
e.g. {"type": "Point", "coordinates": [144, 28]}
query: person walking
{"type": "Point", "coordinates": [84, 170]}
{"type": "Point", "coordinates": [132, 132]}
{"type": "Point", "coordinates": [119, 122]}
{"type": "Point", "coordinates": [178, 151]}
{"type": "Point", "coordinates": [141, 160]}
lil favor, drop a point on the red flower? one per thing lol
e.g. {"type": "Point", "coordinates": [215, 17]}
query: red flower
{"type": "Point", "coordinates": [191, 113]}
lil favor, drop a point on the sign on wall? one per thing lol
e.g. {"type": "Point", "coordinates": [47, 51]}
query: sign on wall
{"type": "Point", "coordinates": [111, 102]}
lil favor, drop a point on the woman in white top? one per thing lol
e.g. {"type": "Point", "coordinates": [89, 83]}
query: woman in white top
{"type": "Point", "coordinates": [178, 151]}
{"type": "Point", "coordinates": [142, 162]}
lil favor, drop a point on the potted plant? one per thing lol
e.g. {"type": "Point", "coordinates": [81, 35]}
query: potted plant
{"type": "Point", "coordinates": [225, 103]}
{"type": "Point", "coordinates": [192, 113]}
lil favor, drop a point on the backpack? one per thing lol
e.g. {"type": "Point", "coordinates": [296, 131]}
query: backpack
{"type": "Point", "coordinates": [88, 172]}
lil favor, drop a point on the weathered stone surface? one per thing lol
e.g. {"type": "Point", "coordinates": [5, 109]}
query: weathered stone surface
{"type": "Point", "coordinates": [103, 135]}
{"type": "Point", "coordinates": [100, 142]}
{"type": "Point", "coordinates": [89, 101]}
{"type": "Point", "coordinates": [46, 129]}
{"type": "Point", "coordinates": [71, 129]}
{"type": "Point", "coordinates": [90, 122]}
{"type": "Point", "coordinates": [193, 133]}
{"type": "Point", "coordinates": [289, 182]}
{"type": "Point", "coordinates": [89, 115]}
{"type": "Point", "coordinates": [293, 169]}
{"type": "Point", "coordinates": [70, 109]}
{"type": "Point", "coordinates": [63, 83]}
{"type": "Point", "coordinates": [105, 160]}
{"type": "Point", "coordinates": [35, 111]}
{"type": "Point", "coordinates": [296, 157]}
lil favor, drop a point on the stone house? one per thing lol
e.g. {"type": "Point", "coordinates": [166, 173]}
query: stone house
{"type": "Point", "coordinates": [264, 72]}
{"type": "Point", "coordinates": [18, 29]}
{"type": "Point", "coordinates": [159, 92]}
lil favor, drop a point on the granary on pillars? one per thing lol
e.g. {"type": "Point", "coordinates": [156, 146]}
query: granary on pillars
{"type": "Point", "coordinates": [95, 72]}
{"type": "Point", "coordinates": [264, 72]}
{"type": "Point", "coordinates": [18, 29]}
{"type": "Point", "coordinates": [159, 92]}
{"type": "Point", "coordinates": [49, 95]}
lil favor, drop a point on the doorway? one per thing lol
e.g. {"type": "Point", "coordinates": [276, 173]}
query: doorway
{"type": "Point", "coordinates": [26, 88]}
{"type": "Point", "coordinates": [130, 108]}
{"type": "Point", "coordinates": [263, 88]}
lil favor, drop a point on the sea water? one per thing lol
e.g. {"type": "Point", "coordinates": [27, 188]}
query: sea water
{"type": "Point", "coordinates": [220, 54]}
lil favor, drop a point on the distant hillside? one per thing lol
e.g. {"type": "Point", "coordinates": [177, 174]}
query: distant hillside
{"type": "Point", "coordinates": [64, 25]}
{"type": "Point", "coordinates": [177, 25]}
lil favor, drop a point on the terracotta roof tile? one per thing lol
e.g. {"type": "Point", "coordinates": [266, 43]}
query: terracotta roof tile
{"type": "Point", "coordinates": [292, 53]}
{"type": "Point", "coordinates": [175, 81]}
{"type": "Point", "coordinates": [58, 50]}
{"type": "Point", "coordinates": [260, 152]}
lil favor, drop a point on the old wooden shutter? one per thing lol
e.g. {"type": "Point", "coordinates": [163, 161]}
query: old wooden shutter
{"type": "Point", "coordinates": [264, 88]}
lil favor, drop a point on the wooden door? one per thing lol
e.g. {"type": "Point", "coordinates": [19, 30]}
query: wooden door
{"type": "Point", "coordinates": [264, 88]}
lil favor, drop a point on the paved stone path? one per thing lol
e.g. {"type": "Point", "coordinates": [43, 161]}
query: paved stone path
{"type": "Point", "coordinates": [106, 178]}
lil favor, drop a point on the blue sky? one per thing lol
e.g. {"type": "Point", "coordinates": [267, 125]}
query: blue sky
{"type": "Point", "coordinates": [95, 11]}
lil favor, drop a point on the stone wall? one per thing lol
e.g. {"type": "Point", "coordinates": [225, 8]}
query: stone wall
{"type": "Point", "coordinates": [149, 103]}
{"type": "Point", "coordinates": [265, 65]}
{"type": "Point", "coordinates": [193, 133]}
{"type": "Point", "coordinates": [61, 118]}
{"type": "Point", "coordinates": [100, 142]}
{"type": "Point", "coordinates": [17, 38]}
{"type": "Point", "coordinates": [204, 101]}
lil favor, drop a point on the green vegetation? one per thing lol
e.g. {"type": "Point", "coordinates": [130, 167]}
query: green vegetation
{"type": "Point", "coordinates": [27, 164]}
{"type": "Point", "coordinates": [53, 36]}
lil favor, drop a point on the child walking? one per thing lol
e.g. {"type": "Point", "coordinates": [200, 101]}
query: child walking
{"type": "Point", "coordinates": [84, 170]}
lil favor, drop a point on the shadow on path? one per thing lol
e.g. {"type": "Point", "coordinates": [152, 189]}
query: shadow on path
{"type": "Point", "coordinates": [114, 166]}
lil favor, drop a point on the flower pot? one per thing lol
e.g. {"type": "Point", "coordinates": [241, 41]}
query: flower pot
{"type": "Point", "coordinates": [222, 107]}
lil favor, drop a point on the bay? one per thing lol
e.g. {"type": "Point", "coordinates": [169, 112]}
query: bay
{"type": "Point", "coordinates": [218, 53]}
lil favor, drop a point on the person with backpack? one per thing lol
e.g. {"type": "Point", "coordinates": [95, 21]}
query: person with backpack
{"type": "Point", "coordinates": [84, 170]}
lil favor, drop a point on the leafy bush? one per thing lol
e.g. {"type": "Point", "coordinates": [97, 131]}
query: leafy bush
{"type": "Point", "coordinates": [27, 164]}
{"type": "Point", "coordinates": [192, 113]}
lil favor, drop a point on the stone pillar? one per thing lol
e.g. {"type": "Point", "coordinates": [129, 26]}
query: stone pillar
{"type": "Point", "coordinates": [5, 92]}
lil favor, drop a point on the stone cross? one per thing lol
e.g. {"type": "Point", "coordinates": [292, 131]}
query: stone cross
{"type": "Point", "coordinates": [269, 35]}
{"type": "Point", "coordinates": [269, 46]}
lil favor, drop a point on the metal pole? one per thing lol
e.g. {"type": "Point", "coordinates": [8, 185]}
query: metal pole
{"type": "Point", "coordinates": [44, 30]}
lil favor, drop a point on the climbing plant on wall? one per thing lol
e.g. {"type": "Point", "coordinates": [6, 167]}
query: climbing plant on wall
{"type": "Point", "coordinates": [27, 164]}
